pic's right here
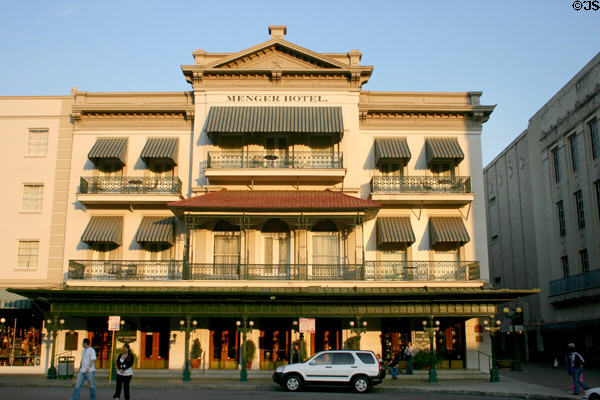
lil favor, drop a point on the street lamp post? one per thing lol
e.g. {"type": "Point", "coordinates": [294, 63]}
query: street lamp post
{"type": "Point", "coordinates": [244, 327]}
{"type": "Point", "coordinates": [187, 326]}
{"type": "Point", "coordinates": [516, 314]}
{"type": "Point", "coordinates": [492, 327]}
{"type": "Point", "coordinates": [2, 322]}
{"type": "Point", "coordinates": [430, 326]}
{"type": "Point", "coordinates": [358, 328]}
{"type": "Point", "coordinates": [53, 326]}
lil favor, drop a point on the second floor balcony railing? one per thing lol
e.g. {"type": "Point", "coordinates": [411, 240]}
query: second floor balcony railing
{"type": "Point", "coordinates": [274, 159]}
{"type": "Point", "coordinates": [174, 270]}
{"type": "Point", "coordinates": [586, 280]}
{"type": "Point", "coordinates": [130, 185]}
{"type": "Point", "coordinates": [421, 184]}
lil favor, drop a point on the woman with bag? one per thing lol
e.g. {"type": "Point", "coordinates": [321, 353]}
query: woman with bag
{"type": "Point", "coordinates": [124, 364]}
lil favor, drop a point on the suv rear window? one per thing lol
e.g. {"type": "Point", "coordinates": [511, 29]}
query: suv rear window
{"type": "Point", "coordinates": [343, 359]}
{"type": "Point", "coordinates": [366, 358]}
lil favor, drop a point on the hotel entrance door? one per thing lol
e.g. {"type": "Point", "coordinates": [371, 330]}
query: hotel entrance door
{"type": "Point", "coordinates": [154, 351]}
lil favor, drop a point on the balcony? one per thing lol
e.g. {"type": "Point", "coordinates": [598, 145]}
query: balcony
{"type": "Point", "coordinates": [576, 288]}
{"type": "Point", "coordinates": [129, 189]}
{"type": "Point", "coordinates": [275, 165]}
{"type": "Point", "coordinates": [124, 270]}
{"type": "Point", "coordinates": [422, 189]}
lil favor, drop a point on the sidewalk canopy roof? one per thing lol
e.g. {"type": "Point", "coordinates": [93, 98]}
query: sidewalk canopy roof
{"type": "Point", "coordinates": [441, 149]}
{"type": "Point", "coordinates": [108, 149]}
{"type": "Point", "coordinates": [160, 149]}
{"type": "Point", "coordinates": [13, 300]}
{"type": "Point", "coordinates": [391, 149]}
{"type": "Point", "coordinates": [269, 200]}
{"type": "Point", "coordinates": [278, 120]}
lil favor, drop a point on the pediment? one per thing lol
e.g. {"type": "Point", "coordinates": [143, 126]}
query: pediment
{"type": "Point", "coordinates": [276, 56]}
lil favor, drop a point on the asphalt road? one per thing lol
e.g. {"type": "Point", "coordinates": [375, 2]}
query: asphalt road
{"type": "Point", "coordinates": [57, 393]}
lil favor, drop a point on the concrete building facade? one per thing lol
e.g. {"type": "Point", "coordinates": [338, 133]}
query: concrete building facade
{"type": "Point", "coordinates": [276, 189]}
{"type": "Point", "coordinates": [542, 196]}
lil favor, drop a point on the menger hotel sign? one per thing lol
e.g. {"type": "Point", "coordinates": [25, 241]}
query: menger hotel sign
{"type": "Point", "coordinates": [274, 98]}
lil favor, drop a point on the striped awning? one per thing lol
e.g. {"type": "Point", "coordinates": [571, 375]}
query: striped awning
{"type": "Point", "coordinates": [394, 230]}
{"type": "Point", "coordinates": [103, 230]}
{"type": "Point", "coordinates": [12, 300]}
{"type": "Point", "coordinates": [315, 120]}
{"type": "Point", "coordinates": [447, 230]}
{"type": "Point", "coordinates": [391, 149]}
{"type": "Point", "coordinates": [160, 148]}
{"type": "Point", "coordinates": [109, 148]}
{"type": "Point", "coordinates": [156, 230]}
{"type": "Point", "coordinates": [440, 149]}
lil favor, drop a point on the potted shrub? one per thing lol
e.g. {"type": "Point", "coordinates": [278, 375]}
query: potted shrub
{"type": "Point", "coordinates": [250, 352]}
{"type": "Point", "coordinates": [352, 343]}
{"type": "Point", "coordinates": [196, 354]}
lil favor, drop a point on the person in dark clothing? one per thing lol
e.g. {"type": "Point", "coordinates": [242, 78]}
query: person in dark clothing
{"type": "Point", "coordinates": [124, 364]}
{"type": "Point", "coordinates": [394, 365]}
{"type": "Point", "coordinates": [296, 354]}
{"type": "Point", "coordinates": [574, 363]}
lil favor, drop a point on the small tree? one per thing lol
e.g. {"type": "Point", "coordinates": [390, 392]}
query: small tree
{"type": "Point", "coordinates": [352, 343]}
{"type": "Point", "coordinates": [250, 350]}
{"type": "Point", "coordinates": [196, 349]}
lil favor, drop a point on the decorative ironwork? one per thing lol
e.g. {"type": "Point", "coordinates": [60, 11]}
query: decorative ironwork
{"type": "Point", "coordinates": [130, 185]}
{"type": "Point", "coordinates": [586, 280]}
{"type": "Point", "coordinates": [274, 159]}
{"type": "Point", "coordinates": [134, 270]}
{"type": "Point", "coordinates": [421, 184]}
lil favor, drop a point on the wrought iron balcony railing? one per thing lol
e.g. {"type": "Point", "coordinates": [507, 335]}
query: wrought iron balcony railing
{"type": "Point", "coordinates": [586, 280]}
{"type": "Point", "coordinates": [274, 159]}
{"type": "Point", "coordinates": [130, 185]}
{"type": "Point", "coordinates": [371, 270]}
{"type": "Point", "coordinates": [421, 184]}
{"type": "Point", "coordinates": [422, 270]}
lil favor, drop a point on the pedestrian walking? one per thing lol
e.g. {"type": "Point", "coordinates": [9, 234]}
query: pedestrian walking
{"type": "Point", "coordinates": [87, 371]}
{"type": "Point", "coordinates": [408, 354]}
{"type": "Point", "coordinates": [394, 364]}
{"type": "Point", "coordinates": [574, 362]}
{"type": "Point", "coordinates": [124, 364]}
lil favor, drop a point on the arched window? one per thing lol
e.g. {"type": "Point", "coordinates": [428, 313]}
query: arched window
{"type": "Point", "coordinates": [325, 225]}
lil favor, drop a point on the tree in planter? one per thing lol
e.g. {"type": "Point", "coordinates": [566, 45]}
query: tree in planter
{"type": "Point", "coordinates": [352, 343]}
{"type": "Point", "coordinates": [422, 358]}
{"type": "Point", "coordinates": [250, 352]}
{"type": "Point", "coordinates": [196, 354]}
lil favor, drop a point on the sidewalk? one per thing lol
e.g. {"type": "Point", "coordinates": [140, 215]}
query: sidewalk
{"type": "Point", "coordinates": [536, 382]}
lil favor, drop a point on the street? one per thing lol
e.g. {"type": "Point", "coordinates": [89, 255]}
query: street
{"type": "Point", "coordinates": [56, 393]}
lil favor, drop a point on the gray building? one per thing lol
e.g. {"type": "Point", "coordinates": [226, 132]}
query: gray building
{"type": "Point", "coordinates": [543, 212]}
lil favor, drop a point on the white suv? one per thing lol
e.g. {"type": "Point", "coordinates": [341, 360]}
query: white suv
{"type": "Point", "coordinates": [359, 369]}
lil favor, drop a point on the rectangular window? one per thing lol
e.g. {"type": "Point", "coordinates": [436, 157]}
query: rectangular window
{"type": "Point", "coordinates": [597, 187]}
{"type": "Point", "coordinates": [37, 142]}
{"type": "Point", "coordinates": [325, 249]}
{"type": "Point", "coordinates": [574, 152]}
{"type": "Point", "coordinates": [561, 219]}
{"type": "Point", "coordinates": [593, 127]}
{"type": "Point", "coordinates": [580, 214]}
{"type": "Point", "coordinates": [556, 161]}
{"type": "Point", "coordinates": [565, 265]}
{"type": "Point", "coordinates": [585, 262]}
{"type": "Point", "coordinates": [33, 196]}
{"type": "Point", "coordinates": [27, 254]}
{"type": "Point", "coordinates": [227, 249]}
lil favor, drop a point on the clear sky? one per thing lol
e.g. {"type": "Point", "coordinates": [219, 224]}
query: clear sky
{"type": "Point", "coordinates": [519, 53]}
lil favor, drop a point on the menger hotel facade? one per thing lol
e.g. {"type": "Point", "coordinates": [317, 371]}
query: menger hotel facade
{"type": "Point", "coordinates": [276, 189]}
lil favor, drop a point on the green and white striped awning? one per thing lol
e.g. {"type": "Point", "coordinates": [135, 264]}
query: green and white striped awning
{"type": "Point", "coordinates": [270, 119]}
{"type": "Point", "coordinates": [394, 230]}
{"type": "Point", "coordinates": [109, 149]}
{"type": "Point", "coordinates": [103, 230]}
{"type": "Point", "coordinates": [387, 149]}
{"type": "Point", "coordinates": [160, 148]}
{"type": "Point", "coordinates": [13, 301]}
{"type": "Point", "coordinates": [447, 230]}
{"type": "Point", "coordinates": [441, 149]}
{"type": "Point", "coordinates": [156, 230]}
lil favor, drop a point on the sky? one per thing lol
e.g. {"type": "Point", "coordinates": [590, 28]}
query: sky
{"type": "Point", "coordinates": [519, 53]}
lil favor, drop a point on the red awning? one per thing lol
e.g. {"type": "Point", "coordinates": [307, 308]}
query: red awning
{"type": "Point", "coordinates": [232, 200]}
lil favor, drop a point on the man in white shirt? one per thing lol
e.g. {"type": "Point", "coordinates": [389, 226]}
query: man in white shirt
{"type": "Point", "coordinates": [87, 371]}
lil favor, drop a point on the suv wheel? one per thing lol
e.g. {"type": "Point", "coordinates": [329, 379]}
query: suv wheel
{"type": "Point", "coordinates": [360, 384]}
{"type": "Point", "coordinates": [292, 383]}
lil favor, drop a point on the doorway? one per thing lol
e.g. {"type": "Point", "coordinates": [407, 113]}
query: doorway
{"type": "Point", "coordinates": [327, 336]}
{"type": "Point", "coordinates": [155, 343]}
{"type": "Point", "coordinates": [224, 345]}
{"type": "Point", "coordinates": [274, 344]}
